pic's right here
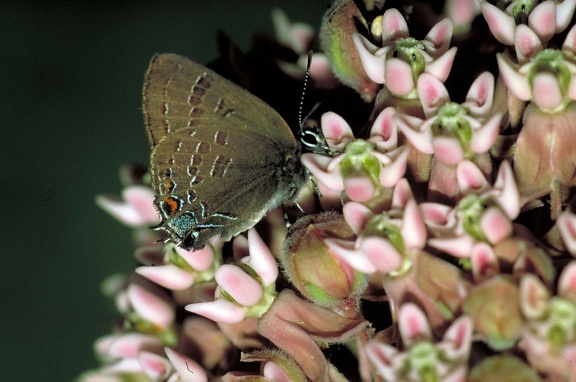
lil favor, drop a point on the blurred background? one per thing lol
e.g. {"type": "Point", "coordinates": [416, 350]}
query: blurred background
{"type": "Point", "coordinates": [70, 105]}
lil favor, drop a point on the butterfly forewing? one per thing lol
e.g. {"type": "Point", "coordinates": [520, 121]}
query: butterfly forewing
{"type": "Point", "coordinates": [181, 93]}
{"type": "Point", "coordinates": [221, 158]}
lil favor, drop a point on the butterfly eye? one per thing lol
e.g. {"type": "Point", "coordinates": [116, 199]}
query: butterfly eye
{"type": "Point", "coordinates": [189, 240]}
{"type": "Point", "coordinates": [312, 138]}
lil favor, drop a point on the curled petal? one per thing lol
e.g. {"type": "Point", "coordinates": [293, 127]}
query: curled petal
{"type": "Point", "coordinates": [384, 131]}
{"type": "Point", "coordinates": [124, 366]}
{"type": "Point", "coordinates": [438, 215]}
{"type": "Point", "coordinates": [413, 324]}
{"type": "Point", "coordinates": [495, 225]}
{"type": "Point", "coordinates": [356, 259]}
{"type": "Point", "coordinates": [356, 215]}
{"type": "Point", "coordinates": [440, 35]}
{"type": "Point", "coordinates": [508, 196]}
{"type": "Point", "coordinates": [481, 95]}
{"type": "Point", "coordinates": [460, 246]}
{"type": "Point", "coordinates": [501, 24]}
{"type": "Point", "coordinates": [470, 178]}
{"type": "Point", "coordinates": [515, 82]}
{"type": "Point", "coordinates": [373, 63]}
{"type": "Point", "coordinates": [413, 228]}
{"type": "Point", "coordinates": [483, 138]}
{"type": "Point", "coordinates": [440, 67]}
{"type": "Point", "coordinates": [336, 130]}
{"type": "Point", "coordinates": [461, 12]}
{"type": "Point", "coordinates": [527, 43]}
{"type": "Point", "coordinates": [564, 14]}
{"type": "Point", "coordinates": [136, 210]}
{"type": "Point", "coordinates": [297, 36]}
{"type": "Point", "coordinates": [534, 297]}
{"type": "Point", "coordinates": [381, 253]}
{"type": "Point", "coordinates": [458, 337]}
{"type": "Point", "coordinates": [239, 285]}
{"type": "Point", "coordinates": [432, 93]}
{"type": "Point", "coordinates": [402, 194]}
{"type": "Point", "coordinates": [219, 311]}
{"type": "Point", "coordinates": [168, 276]}
{"type": "Point", "coordinates": [484, 262]}
{"type": "Point", "coordinates": [420, 138]}
{"type": "Point", "coordinates": [382, 357]}
{"type": "Point", "coordinates": [393, 25]}
{"type": "Point", "coordinates": [394, 171]}
{"type": "Point", "coordinates": [187, 369]}
{"type": "Point", "coordinates": [542, 20]}
{"type": "Point", "coordinates": [319, 165]}
{"type": "Point", "coordinates": [570, 40]}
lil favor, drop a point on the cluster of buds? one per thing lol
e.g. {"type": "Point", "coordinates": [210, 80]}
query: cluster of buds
{"type": "Point", "coordinates": [438, 245]}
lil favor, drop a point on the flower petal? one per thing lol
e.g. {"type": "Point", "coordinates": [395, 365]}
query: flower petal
{"type": "Point", "coordinates": [188, 369]}
{"type": "Point", "coordinates": [413, 324]}
{"type": "Point", "coordinates": [501, 24]}
{"type": "Point", "coordinates": [393, 25]}
{"type": "Point", "coordinates": [527, 43]}
{"type": "Point", "coordinates": [381, 253]}
{"type": "Point", "coordinates": [542, 20]}
{"type": "Point", "coordinates": [261, 258]}
{"type": "Point", "coordinates": [219, 310]}
{"type": "Point", "coordinates": [398, 77]}
{"type": "Point", "coordinates": [168, 276]}
{"type": "Point", "coordinates": [239, 285]}
{"type": "Point", "coordinates": [515, 82]}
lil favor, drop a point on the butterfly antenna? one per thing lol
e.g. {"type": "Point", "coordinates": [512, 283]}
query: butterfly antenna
{"type": "Point", "coordinates": [304, 89]}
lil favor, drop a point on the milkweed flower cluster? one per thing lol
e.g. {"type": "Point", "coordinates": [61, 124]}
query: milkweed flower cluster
{"type": "Point", "coordinates": [436, 242]}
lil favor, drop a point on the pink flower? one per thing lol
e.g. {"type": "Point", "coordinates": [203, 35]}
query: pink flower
{"type": "Point", "coordinates": [423, 358]}
{"type": "Point", "coordinates": [544, 18]}
{"type": "Point", "coordinates": [484, 214]}
{"type": "Point", "coordinates": [242, 294]}
{"type": "Point", "coordinates": [401, 59]}
{"type": "Point", "coordinates": [453, 132]}
{"type": "Point", "coordinates": [387, 240]}
{"type": "Point", "coordinates": [549, 337]}
{"type": "Point", "coordinates": [547, 77]}
{"type": "Point", "coordinates": [364, 166]}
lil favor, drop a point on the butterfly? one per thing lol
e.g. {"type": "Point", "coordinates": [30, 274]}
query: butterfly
{"type": "Point", "coordinates": [220, 157]}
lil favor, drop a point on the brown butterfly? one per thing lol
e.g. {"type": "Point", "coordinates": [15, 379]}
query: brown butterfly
{"type": "Point", "coordinates": [221, 158]}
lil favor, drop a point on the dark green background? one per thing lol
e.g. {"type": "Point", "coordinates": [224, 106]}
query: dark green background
{"type": "Point", "coordinates": [70, 116]}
